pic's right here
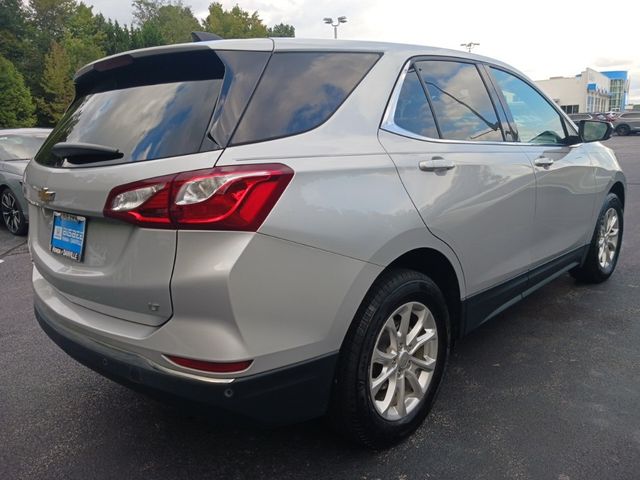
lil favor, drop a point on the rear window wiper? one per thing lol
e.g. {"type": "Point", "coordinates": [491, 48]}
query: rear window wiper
{"type": "Point", "coordinates": [80, 153]}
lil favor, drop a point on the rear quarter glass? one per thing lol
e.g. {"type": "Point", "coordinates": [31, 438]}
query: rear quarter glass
{"type": "Point", "coordinates": [299, 91]}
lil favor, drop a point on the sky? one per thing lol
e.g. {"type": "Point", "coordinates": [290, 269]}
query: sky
{"type": "Point", "coordinates": [542, 38]}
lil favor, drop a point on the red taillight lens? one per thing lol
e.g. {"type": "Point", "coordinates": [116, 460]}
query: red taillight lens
{"type": "Point", "coordinates": [222, 198]}
{"type": "Point", "coordinates": [145, 203]}
{"type": "Point", "coordinates": [214, 367]}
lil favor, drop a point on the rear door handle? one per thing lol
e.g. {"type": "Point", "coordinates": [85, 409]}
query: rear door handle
{"type": "Point", "coordinates": [545, 162]}
{"type": "Point", "coordinates": [436, 164]}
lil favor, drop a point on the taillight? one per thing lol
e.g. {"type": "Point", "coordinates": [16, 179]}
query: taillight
{"type": "Point", "coordinates": [145, 203]}
{"type": "Point", "coordinates": [221, 198]}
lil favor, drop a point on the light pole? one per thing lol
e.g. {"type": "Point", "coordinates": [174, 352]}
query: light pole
{"type": "Point", "coordinates": [329, 21]}
{"type": "Point", "coordinates": [469, 45]}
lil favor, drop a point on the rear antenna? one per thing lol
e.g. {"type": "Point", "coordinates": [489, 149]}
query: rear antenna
{"type": "Point", "coordinates": [204, 36]}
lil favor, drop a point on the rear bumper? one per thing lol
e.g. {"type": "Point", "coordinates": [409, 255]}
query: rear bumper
{"type": "Point", "coordinates": [286, 395]}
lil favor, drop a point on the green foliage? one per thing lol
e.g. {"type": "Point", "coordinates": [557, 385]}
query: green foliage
{"type": "Point", "coordinates": [234, 23]}
{"type": "Point", "coordinates": [16, 105]}
{"type": "Point", "coordinates": [162, 23]}
{"type": "Point", "coordinates": [282, 30]}
{"type": "Point", "coordinates": [176, 22]}
{"type": "Point", "coordinates": [46, 41]}
{"type": "Point", "coordinates": [83, 37]}
{"type": "Point", "coordinates": [50, 17]}
{"type": "Point", "coordinates": [56, 84]}
{"type": "Point", "coordinates": [12, 28]}
{"type": "Point", "coordinates": [146, 10]}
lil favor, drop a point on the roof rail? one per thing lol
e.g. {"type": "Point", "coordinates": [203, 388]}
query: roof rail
{"type": "Point", "coordinates": [204, 36]}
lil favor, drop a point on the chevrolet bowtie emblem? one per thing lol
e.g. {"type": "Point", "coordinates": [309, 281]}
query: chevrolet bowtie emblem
{"type": "Point", "coordinates": [45, 195]}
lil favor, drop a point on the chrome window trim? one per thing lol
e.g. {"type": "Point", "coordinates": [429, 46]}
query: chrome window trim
{"type": "Point", "coordinates": [388, 124]}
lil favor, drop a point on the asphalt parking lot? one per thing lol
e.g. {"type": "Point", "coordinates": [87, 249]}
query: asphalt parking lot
{"type": "Point", "coordinates": [550, 389]}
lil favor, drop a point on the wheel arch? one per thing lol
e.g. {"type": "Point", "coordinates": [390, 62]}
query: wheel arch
{"type": "Point", "coordinates": [436, 266]}
{"type": "Point", "coordinates": [618, 189]}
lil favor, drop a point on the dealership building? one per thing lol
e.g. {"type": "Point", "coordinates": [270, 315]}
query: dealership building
{"type": "Point", "coordinates": [589, 91]}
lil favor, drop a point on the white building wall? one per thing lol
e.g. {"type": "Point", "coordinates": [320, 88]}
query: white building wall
{"type": "Point", "coordinates": [572, 91]}
{"type": "Point", "coordinates": [565, 91]}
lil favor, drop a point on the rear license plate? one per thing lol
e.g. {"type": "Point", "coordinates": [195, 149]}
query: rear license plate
{"type": "Point", "coordinates": [67, 236]}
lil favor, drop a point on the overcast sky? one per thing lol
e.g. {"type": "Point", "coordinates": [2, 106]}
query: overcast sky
{"type": "Point", "coordinates": [543, 38]}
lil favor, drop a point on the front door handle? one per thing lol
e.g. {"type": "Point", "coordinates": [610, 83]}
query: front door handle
{"type": "Point", "coordinates": [436, 164]}
{"type": "Point", "coordinates": [545, 162]}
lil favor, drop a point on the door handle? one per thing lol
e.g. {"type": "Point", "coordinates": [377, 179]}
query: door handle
{"type": "Point", "coordinates": [545, 162]}
{"type": "Point", "coordinates": [436, 164]}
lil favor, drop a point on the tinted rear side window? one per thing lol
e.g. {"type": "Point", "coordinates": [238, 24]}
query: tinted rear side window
{"type": "Point", "coordinates": [299, 91]}
{"type": "Point", "coordinates": [460, 101]}
{"type": "Point", "coordinates": [412, 110]}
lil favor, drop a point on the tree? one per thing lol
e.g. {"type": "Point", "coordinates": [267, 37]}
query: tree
{"type": "Point", "coordinates": [83, 38]}
{"type": "Point", "coordinates": [146, 10]}
{"type": "Point", "coordinates": [234, 23]}
{"type": "Point", "coordinates": [16, 105]}
{"type": "Point", "coordinates": [115, 39]}
{"type": "Point", "coordinates": [56, 84]}
{"type": "Point", "coordinates": [13, 19]}
{"type": "Point", "coordinates": [50, 17]}
{"type": "Point", "coordinates": [282, 30]}
{"type": "Point", "coordinates": [148, 35]}
{"type": "Point", "coordinates": [176, 22]}
{"type": "Point", "coordinates": [162, 23]}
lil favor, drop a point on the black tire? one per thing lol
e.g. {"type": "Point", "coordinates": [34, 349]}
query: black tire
{"type": "Point", "coordinates": [12, 214]}
{"type": "Point", "coordinates": [591, 271]}
{"type": "Point", "coordinates": [353, 411]}
{"type": "Point", "coordinates": [623, 130]}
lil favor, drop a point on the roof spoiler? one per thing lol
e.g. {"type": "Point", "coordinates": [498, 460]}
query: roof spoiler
{"type": "Point", "coordinates": [204, 36]}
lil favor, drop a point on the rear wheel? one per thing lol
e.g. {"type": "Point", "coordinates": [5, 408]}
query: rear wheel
{"type": "Point", "coordinates": [604, 249]}
{"type": "Point", "coordinates": [623, 130]}
{"type": "Point", "coordinates": [392, 360]}
{"type": "Point", "coordinates": [12, 214]}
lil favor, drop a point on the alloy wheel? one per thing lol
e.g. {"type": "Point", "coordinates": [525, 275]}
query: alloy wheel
{"type": "Point", "coordinates": [403, 361]}
{"type": "Point", "coordinates": [11, 213]}
{"type": "Point", "coordinates": [608, 238]}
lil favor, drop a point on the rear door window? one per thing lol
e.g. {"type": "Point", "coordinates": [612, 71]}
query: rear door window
{"type": "Point", "coordinates": [299, 91]}
{"type": "Point", "coordinates": [460, 101]}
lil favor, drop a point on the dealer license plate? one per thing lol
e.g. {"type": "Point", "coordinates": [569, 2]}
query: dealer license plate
{"type": "Point", "coordinates": [67, 236]}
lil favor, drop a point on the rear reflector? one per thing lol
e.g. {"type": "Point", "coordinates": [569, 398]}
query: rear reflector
{"type": "Point", "coordinates": [213, 367]}
{"type": "Point", "coordinates": [221, 198]}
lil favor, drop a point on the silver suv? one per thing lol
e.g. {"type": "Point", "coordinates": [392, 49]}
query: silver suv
{"type": "Point", "coordinates": [281, 229]}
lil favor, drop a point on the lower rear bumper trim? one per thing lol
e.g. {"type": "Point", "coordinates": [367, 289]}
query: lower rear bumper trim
{"type": "Point", "coordinates": [290, 394]}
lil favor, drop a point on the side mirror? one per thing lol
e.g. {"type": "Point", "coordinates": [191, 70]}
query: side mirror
{"type": "Point", "coordinates": [594, 131]}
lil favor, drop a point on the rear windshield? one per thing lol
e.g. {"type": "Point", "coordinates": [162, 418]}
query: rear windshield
{"type": "Point", "coordinates": [20, 147]}
{"type": "Point", "coordinates": [299, 91]}
{"type": "Point", "coordinates": [156, 107]}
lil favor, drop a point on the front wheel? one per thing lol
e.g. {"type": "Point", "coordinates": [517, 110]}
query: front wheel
{"type": "Point", "coordinates": [623, 130]}
{"type": "Point", "coordinates": [392, 360]}
{"type": "Point", "coordinates": [12, 214]}
{"type": "Point", "coordinates": [602, 257]}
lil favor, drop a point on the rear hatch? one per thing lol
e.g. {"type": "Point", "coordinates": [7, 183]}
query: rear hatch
{"type": "Point", "coordinates": [163, 111]}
